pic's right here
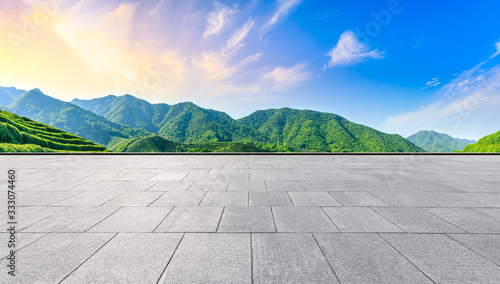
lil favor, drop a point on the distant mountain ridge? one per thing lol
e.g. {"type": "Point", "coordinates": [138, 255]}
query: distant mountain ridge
{"type": "Point", "coordinates": [432, 141]}
{"type": "Point", "coordinates": [182, 122]}
{"type": "Point", "coordinates": [487, 144]}
{"type": "Point", "coordinates": [69, 117]}
{"type": "Point", "coordinates": [323, 131]}
{"type": "Point", "coordinates": [9, 94]}
{"type": "Point", "coordinates": [114, 119]}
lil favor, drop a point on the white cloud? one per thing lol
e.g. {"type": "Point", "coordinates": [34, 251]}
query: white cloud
{"type": "Point", "coordinates": [349, 50]}
{"type": "Point", "coordinates": [284, 8]}
{"type": "Point", "coordinates": [282, 78]}
{"type": "Point", "coordinates": [218, 19]}
{"type": "Point", "coordinates": [467, 107]}
{"type": "Point", "coordinates": [432, 83]}
{"type": "Point", "coordinates": [235, 42]}
{"type": "Point", "coordinates": [497, 45]}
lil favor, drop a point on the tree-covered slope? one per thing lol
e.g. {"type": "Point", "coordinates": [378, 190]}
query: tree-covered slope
{"type": "Point", "coordinates": [21, 134]}
{"type": "Point", "coordinates": [9, 94]}
{"type": "Point", "coordinates": [127, 110]}
{"type": "Point", "coordinates": [323, 131]}
{"type": "Point", "coordinates": [183, 122]}
{"type": "Point", "coordinates": [69, 117]}
{"type": "Point", "coordinates": [487, 144]}
{"type": "Point", "coordinates": [432, 141]}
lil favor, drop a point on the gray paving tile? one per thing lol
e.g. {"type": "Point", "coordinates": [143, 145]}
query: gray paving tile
{"type": "Point", "coordinates": [232, 177]}
{"type": "Point", "coordinates": [94, 185]}
{"type": "Point", "coordinates": [148, 252]}
{"type": "Point", "coordinates": [488, 199]}
{"type": "Point", "coordinates": [136, 176]}
{"type": "Point", "coordinates": [352, 185]}
{"type": "Point", "coordinates": [444, 260]}
{"type": "Point", "coordinates": [246, 186]}
{"type": "Point", "coordinates": [359, 219]}
{"type": "Point", "coordinates": [263, 177]}
{"type": "Point", "coordinates": [396, 186]}
{"type": "Point", "coordinates": [225, 199]}
{"type": "Point", "coordinates": [324, 185]}
{"type": "Point", "coordinates": [247, 219]}
{"type": "Point", "coordinates": [134, 198]}
{"type": "Point", "coordinates": [171, 186]}
{"type": "Point", "coordinates": [30, 215]}
{"type": "Point", "coordinates": [402, 199]}
{"type": "Point", "coordinates": [200, 177]}
{"type": "Point", "coordinates": [191, 219]}
{"type": "Point", "coordinates": [487, 245]}
{"type": "Point", "coordinates": [74, 219]}
{"type": "Point", "coordinates": [293, 177]}
{"type": "Point", "coordinates": [283, 186]}
{"type": "Point", "coordinates": [435, 187]}
{"type": "Point", "coordinates": [493, 212]}
{"type": "Point", "coordinates": [417, 220]}
{"type": "Point", "coordinates": [467, 219]}
{"type": "Point", "coordinates": [133, 185]}
{"type": "Point", "coordinates": [211, 258]}
{"type": "Point", "coordinates": [48, 261]}
{"type": "Point", "coordinates": [22, 240]}
{"type": "Point", "coordinates": [209, 186]}
{"type": "Point", "coordinates": [358, 199]}
{"type": "Point", "coordinates": [313, 199]}
{"type": "Point", "coordinates": [43, 198]}
{"type": "Point", "coordinates": [179, 198]}
{"type": "Point", "coordinates": [168, 177]}
{"type": "Point", "coordinates": [89, 198]}
{"type": "Point", "coordinates": [56, 185]}
{"type": "Point", "coordinates": [133, 219]}
{"type": "Point", "coordinates": [367, 258]}
{"type": "Point", "coordinates": [450, 199]}
{"type": "Point", "coordinates": [289, 258]}
{"type": "Point", "coordinates": [325, 177]}
{"type": "Point", "coordinates": [267, 199]}
{"type": "Point", "coordinates": [302, 219]}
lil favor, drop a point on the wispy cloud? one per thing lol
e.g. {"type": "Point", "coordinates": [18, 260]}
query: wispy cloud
{"type": "Point", "coordinates": [284, 8]}
{"type": "Point", "coordinates": [218, 19]}
{"type": "Point", "coordinates": [235, 42]}
{"type": "Point", "coordinates": [497, 45]}
{"type": "Point", "coordinates": [466, 107]}
{"type": "Point", "coordinates": [349, 50]}
{"type": "Point", "coordinates": [283, 78]}
{"type": "Point", "coordinates": [432, 83]}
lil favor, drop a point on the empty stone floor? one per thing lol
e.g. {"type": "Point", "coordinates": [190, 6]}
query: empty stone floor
{"type": "Point", "coordinates": [253, 218]}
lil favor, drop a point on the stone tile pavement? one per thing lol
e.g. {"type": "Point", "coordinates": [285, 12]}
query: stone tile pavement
{"type": "Point", "coordinates": [253, 219]}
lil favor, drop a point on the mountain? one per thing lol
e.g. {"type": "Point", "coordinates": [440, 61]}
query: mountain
{"type": "Point", "coordinates": [490, 143]}
{"type": "Point", "coordinates": [182, 122]}
{"type": "Point", "coordinates": [21, 134]}
{"type": "Point", "coordinates": [323, 131]}
{"type": "Point", "coordinates": [438, 142]}
{"type": "Point", "coordinates": [69, 117]}
{"type": "Point", "coordinates": [156, 143]}
{"type": "Point", "coordinates": [9, 94]}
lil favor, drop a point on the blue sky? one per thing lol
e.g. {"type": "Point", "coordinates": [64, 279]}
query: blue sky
{"type": "Point", "coordinates": [397, 66]}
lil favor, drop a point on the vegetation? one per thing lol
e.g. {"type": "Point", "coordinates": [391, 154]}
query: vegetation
{"type": "Point", "coordinates": [306, 130]}
{"type": "Point", "coordinates": [438, 142]}
{"type": "Point", "coordinates": [183, 122]}
{"type": "Point", "coordinates": [37, 106]}
{"type": "Point", "coordinates": [487, 144]}
{"type": "Point", "coordinates": [156, 143]}
{"type": "Point", "coordinates": [21, 134]}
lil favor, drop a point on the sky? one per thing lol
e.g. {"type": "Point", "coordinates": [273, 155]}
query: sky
{"type": "Point", "coordinates": [398, 66]}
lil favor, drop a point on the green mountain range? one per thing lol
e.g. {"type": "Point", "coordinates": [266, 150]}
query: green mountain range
{"type": "Point", "coordinates": [487, 144]}
{"type": "Point", "coordinates": [301, 129]}
{"type": "Point", "coordinates": [116, 121]}
{"type": "Point", "coordinates": [323, 131]}
{"type": "Point", "coordinates": [183, 122]}
{"type": "Point", "coordinates": [21, 134]}
{"type": "Point", "coordinates": [71, 118]}
{"type": "Point", "coordinates": [435, 142]}
{"type": "Point", "coordinates": [9, 94]}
